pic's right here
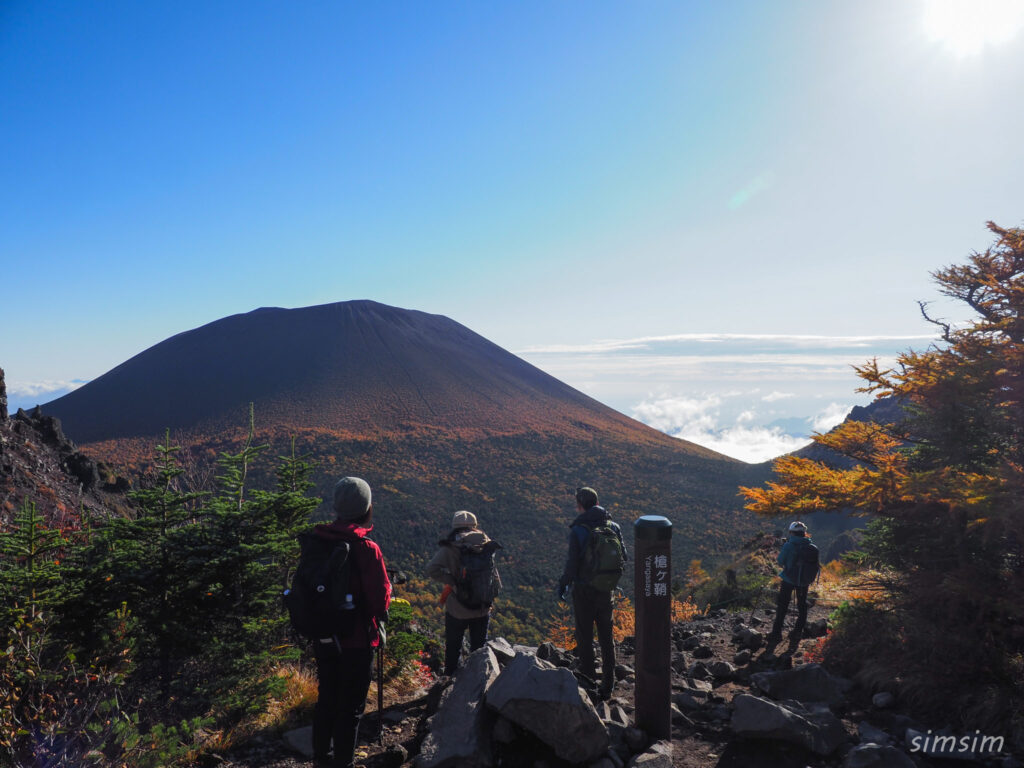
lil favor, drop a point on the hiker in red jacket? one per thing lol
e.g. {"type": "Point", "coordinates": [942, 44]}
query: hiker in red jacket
{"type": "Point", "coordinates": [344, 665]}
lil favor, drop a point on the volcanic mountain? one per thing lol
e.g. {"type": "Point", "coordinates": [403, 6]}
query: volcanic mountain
{"type": "Point", "coordinates": [358, 368]}
{"type": "Point", "coordinates": [434, 416]}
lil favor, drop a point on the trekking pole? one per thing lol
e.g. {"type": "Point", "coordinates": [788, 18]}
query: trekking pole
{"type": "Point", "coordinates": [380, 684]}
{"type": "Point", "coordinates": [757, 604]}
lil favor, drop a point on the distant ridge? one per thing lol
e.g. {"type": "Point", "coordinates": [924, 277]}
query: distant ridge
{"type": "Point", "coordinates": [356, 367]}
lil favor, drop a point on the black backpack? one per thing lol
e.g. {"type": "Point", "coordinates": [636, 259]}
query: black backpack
{"type": "Point", "coordinates": [603, 558]}
{"type": "Point", "coordinates": [808, 565]}
{"type": "Point", "coordinates": [322, 600]}
{"type": "Point", "coordinates": [476, 580]}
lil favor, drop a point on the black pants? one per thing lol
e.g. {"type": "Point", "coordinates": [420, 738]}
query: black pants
{"type": "Point", "coordinates": [344, 679]}
{"type": "Point", "coordinates": [454, 629]}
{"type": "Point", "coordinates": [782, 605]}
{"type": "Point", "coordinates": [590, 607]}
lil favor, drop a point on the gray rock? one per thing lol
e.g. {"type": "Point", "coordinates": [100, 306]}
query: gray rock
{"type": "Point", "coordinates": [811, 725]}
{"type": "Point", "coordinates": [613, 713]}
{"type": "Point", "coordinates": [869, 734]}
{"type": "Point", "coordinates": [678, 718]}
{"type": "Point", "coordinates": [808, 682]}
{"type": "Point", "coordinates": [502, 649]}
{"type": "Point", "coordinates": [394, 756]}
{"type": "Point", "coordinates": [504, 731]}
{"type": "Point", "coordinates": [394, 716]}
{"type": "Point", "coordinates": [459, 730]}
{"type": "Point", "coordinates": [702, 652]}
{"type": "Point", "coordinates": [749, 638]}
{"type": "Point", "coordinates": [635, 739]}
{"type": "Point", "coordinates": [548, 702]}
{"type": "Point", "coordinates": [883, 700]}
{"type": "Point", "coordinates": [558, 657]}
{"type": "Point", "coordinates": [700, 671]}
{"type": "Point", "coordinates": [743, 657]}
{"type": "Point", "coordinates": [722, 670]}
{"type": "Point", "coordinates": [300, 740]}
{"type": "Point", "coordinates": [877, 756]}
{"type": "Point", "coordinates": [689, 701]}
{"type": "Point", "coordinates": [529, 650]}
{"type": "Point", "coordinates": [817, 628]}
{"type": "Point", "coordinates": [622, 671]}
{"type": "Point", "coordinates": [658, 755]}
{"type": "Point", "coordinates": [679, 663]}
{"type": "Point", "coordinates": [699, 685]}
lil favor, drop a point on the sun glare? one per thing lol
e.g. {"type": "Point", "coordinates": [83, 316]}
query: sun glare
{"type": "Point", "coordinates": [966, 27]}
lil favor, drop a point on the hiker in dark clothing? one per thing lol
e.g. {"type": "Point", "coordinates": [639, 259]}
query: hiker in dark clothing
{"type": "Point", "coordinates": [344, 665]}
{"type": "Point", "coordinates": [792, 557]}
{"type": "Point", "coordinates": [592, 605]}
{"type": "Point", "coordinates": [466, 605]}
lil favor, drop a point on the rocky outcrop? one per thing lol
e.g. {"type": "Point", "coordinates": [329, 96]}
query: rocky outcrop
{"type": "Point", "coordinates": [806, 683]}
{"type": "Point", "coordinates": [811, 726]}
{"type": "Point", "coordinates": [548, 702]}
{"type": "Point", "coordinates": [38, 464]}
{"type": "Point", "coordinates": [459, 731]}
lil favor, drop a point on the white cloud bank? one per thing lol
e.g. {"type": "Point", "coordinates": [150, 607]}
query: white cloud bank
{"type": "Point", "coordinates": [832, 416]}
{"type": "Point", "coordinates": [24, 390]}
{"type": "Point", "coordinates": [696, 420]}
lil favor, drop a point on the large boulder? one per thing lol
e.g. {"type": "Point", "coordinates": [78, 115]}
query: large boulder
{"type": "Point", "coordinates": [811, 725]}
{"type": "Point", "coordinates": [459, 731]}
{"type": "Point", "coordinates": [547, 702]}
{"type": "Point", "coordinates": [809, 682]}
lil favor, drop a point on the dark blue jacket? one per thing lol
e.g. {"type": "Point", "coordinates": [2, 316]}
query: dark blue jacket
{"type": "Point", "coordinates": [789, 557]}
{"type": "Point", "coordinates": [579, 531]}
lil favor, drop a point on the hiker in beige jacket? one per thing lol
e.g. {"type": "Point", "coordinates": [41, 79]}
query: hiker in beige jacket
{"type": "Point", "coordinates": [464, 562]}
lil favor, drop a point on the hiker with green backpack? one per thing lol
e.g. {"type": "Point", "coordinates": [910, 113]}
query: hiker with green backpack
{"type": "Point", "coordinates": [464, 563]}
{"type": "Point", "coordinates": [799, 560]}
{"type": "Point", "coordinates": [593, 568]}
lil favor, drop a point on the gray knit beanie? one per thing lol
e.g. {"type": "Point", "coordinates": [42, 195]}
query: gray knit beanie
{"type": "Point", "coordinates": [352, 498]}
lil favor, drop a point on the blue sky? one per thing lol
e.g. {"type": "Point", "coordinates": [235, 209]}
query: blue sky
{"type": "Point", "coordinates": [553, 175]}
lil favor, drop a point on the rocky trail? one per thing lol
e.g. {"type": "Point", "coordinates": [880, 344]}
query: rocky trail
{"type": "Point", "coordinates": [735, 705]}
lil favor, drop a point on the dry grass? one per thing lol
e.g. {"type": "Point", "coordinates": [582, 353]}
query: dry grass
{"type": "Point", "coordinates": [299, 696]}
{"type": "Point", "coordinates": [841, 582]}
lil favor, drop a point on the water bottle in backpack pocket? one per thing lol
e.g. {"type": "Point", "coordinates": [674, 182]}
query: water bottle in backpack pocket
{"type": "Point", "coordinates": [322, 601]}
